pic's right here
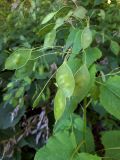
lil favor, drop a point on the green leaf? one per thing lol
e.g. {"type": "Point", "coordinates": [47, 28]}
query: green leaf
{"type": "Point", "coordinates": [78, 125]}
{"type": "Point", "coordinates": [18, 59]}
{"type": "Point", "coordinates": [69, 14]}
{"type": "Point", "coordinates": [115, 48]}
{"type": "Point", "coordinates": [48, 17]}
{"type": "Point", "coordinates": [75, 99]}
{"type": "Point", "coordinates": [6, 117]}
{"type": "Point", "coordinates": [65, 79]}
{"type": "Point", "coordinates": [50, 38]}
{"type": "Point", "coordinates": [87, 156]}
{"type": "Point", "coordinates": [37, 100]}
{"type": "Point", "coordinates": [82, 79]}
{"type": "Point", "coordinates": [46, 29]}
{"type": "Point", "coordinates": [92, 71]}
{"type": "Point", "coordinates": [75, 123]}
{"type": "Point", "coordinates": [70, 38]}
{"type": "Point", "coordinates": [102, 14]}
{"type": "Point", "coordinates": [74, 63]}
{"type": "Point", "coordinates": [59, 104]}
{"type": "Point", "coordinates": [59, 147]}
{"type": "Point", "coordinates": [86, 38]}
{"type": "Point", "coordinates": [95, 94]}
{"type": "Point", "coordinates": [62, 145]}
{"type": "Point", "coordinates": [92, 54]}
{"type": "Point", "coordinates": [25, 70]}
{"type": "Point", "coordinates": [19, 92]}
{"type": "Point", "coordinates": [77, 43]}
{"type": "Point", "coordinates": [111, 142]}
{"type": "Point", "coordinates": [36, 54]}
{"type": "Point", "coordinates": [110, 96]}
{"type": "Point", "coordinates": [59, 22]}
{"type": "Point", "coordinates": [118, 1]}
{"type": "Point", "coordinates": [80, 12]}
{"type": "Point", "coordinates": [62, 12]}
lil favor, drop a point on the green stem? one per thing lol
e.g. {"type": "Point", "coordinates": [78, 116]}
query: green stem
{"type": "Point", "coordinates": [76, 150]}
{"type": "Point", "coordinates": [85, 123]}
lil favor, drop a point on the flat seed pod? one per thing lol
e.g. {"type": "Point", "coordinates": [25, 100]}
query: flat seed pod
{"type": "Point", "coordinates": [59, 104]}
{"type": "Point", "coordinates": [82, 79]}
{"type": "Point", "coordinates": [65, 79]}
{"type": "Point", "coordinates": [48, 17]}
{"type": "Point", "coordinates": [18, 58]}
{"type": "Point", "coordinates": [50, 38]}
{"type": "Point", "coordinates": [86, 38]}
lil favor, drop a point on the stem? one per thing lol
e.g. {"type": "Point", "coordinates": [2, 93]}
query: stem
{"type": "Point", "coordinates": [38, 98]}
{"type": "Point", "coordinates": [76, 150]}
{"type": "Point", "coordinates": [75, 3]}
{"type": "Point", "coordinates": [47, 54]}
{"type": "Point", "coordinates": [85, 123]}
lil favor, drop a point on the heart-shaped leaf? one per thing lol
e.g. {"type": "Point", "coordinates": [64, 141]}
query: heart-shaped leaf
{"type": "Point", "coordinates": [110, 96]}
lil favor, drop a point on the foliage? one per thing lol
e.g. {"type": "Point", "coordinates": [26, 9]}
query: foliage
{"type": "Point", "coordinates": [62, 68]}
{"type": "Point", "coordinates": [65, 143]}
{"type": "Point", "coordinates": [106, 140]}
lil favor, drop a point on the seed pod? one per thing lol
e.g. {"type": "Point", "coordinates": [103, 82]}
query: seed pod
{"type": "Point", "coordinates": [82, 79]}
{"type": "Point", "coordinates": [59, 104]}
{"type": "Point", "coordinates": [65, 80]}
{"type": "Point", "coordinates": [86, 38]}
{"type": "Point", "coordinates": [18, 58]}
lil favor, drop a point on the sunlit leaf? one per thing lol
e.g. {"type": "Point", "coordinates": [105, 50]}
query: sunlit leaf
{"type": "Point", "coordinates": [48, 17]}
{"type": "Point", "coordinates": [18, 59]}
{"type": "Point", "coordinates": [59, 22]}
{"type": "Point", "coordinates": [82, 79]}
{"type": "Point", "coordinates": [86, 38]}
{"type": "Point", "coordinates": [50, 38]}
{"type": "Point", "coordinates": [59, 104]}
{"type": "Point", "coordinates": [62, 11]}
{"type": "Point", "coordinates": [65, 79]}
